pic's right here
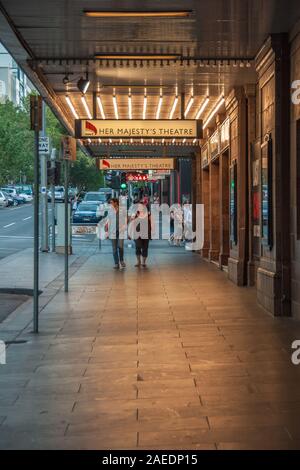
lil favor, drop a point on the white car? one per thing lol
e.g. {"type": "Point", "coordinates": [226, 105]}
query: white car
{"type": "Point", "coordinates": [26, 197]}
{"type": "Point", "coordinates": [3, 200]}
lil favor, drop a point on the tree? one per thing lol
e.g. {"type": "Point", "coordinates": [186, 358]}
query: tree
{"type": "Point", "coordinates": [16, 143]}
{"type": "Point", "coordinates": [84, 174]}
{"type": "Point", "coordinates": [17, 148]}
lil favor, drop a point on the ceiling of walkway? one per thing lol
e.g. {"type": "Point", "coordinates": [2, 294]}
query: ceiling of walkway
{"type": "Point", "coordinates": [205, 53]}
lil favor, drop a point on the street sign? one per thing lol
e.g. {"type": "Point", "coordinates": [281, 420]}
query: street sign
{"type": "Point", "coordinates": [44, 145]}
{"type": "Point", "coordinates": [124, 164]}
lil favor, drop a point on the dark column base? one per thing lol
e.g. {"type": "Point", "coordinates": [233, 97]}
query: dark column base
{"type": "Point", "coordinates": [268, 293]}
{"type": "Point", "coordinates": [236, 271]}
{"type": "Point", "coordinates": [223, 260]}
{"type": "Point", "coordinates": [214, 255]}
{"type": "Point", "coordinates": [251, 274]}
{"type": "Point", "coordinates": [205, 252]}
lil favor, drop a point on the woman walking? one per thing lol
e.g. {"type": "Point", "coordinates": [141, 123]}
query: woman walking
{"type": "Point", "coordinates": [142, 219]}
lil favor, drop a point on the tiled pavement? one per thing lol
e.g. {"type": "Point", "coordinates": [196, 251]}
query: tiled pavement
{"type": "Point", "coordinates": [172, 357]}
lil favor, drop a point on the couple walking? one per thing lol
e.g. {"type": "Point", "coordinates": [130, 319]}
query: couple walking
{"type": "Point", "coordinates": [139, 217]}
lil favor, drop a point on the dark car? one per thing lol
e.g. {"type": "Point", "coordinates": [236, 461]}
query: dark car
{"type": "Point", "coordinates": [86, 213]}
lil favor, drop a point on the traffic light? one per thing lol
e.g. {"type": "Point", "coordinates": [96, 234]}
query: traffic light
{"type": "Point", "coordinates": [57, 173]}
{"type": "Point", "coordinates": [50, 173]}
{"type": "Point", "coordinates": [123, 184]}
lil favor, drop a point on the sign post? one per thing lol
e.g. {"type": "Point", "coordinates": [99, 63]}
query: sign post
{"type": "Point", "coordinates": [36, 126]}
{"type": "Point", "coordinates": [44, 149]}
{"type": "Point", "coordinates": [66, 226]}
{"type": "Point", "coordinates": [68, 148]}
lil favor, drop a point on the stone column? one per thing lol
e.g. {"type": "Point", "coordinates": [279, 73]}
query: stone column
{"type": "Point", "coordinates": [273, 114]}
{"type": "Point", "coordinates": [206, 202]}
{"type": "Point", "coordinates": [250, 93]}
{"type": "Point", "coordinates": [236, 110]}
{"type": "Point", "coordinates": [224, 209]}
{"type": "Point", "coordinates": [214, 220]}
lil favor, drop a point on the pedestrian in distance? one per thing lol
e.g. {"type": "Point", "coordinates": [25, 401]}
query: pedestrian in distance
{"type": "Point", "coordinates": [142, 219]}
{"type": "Point", "coordinates": [114, 231]}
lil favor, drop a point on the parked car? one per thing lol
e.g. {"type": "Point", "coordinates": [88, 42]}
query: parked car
{"type": "Point", "coordinates": [59, 193]}
{"type": "Point", "coordinates": [95, 197]}
{"type": "Point", "coordinates": [13, 195]}
{"type": "Point", "coordinates": [3, 200]}
{"type": "Point", "coordinates": [25, 196]}
{"type": "Point", "coordinates": [25, 188]}
{"type": "Point", "coordinates": [87, 213]}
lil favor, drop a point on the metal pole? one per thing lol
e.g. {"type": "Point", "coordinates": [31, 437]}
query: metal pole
{"type": "Point", "coordinates": [53, 155]}
{"type": "Point", "coordinates": [36, 226]}
{"type": "Point", "coordinates": [44, 196]}
{"type": "Point", "coordinates": [66, 226]}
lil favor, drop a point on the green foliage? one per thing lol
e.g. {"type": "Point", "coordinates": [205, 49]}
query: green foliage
{"type": "Point", "coordinates": [17, 148]}
{"type": "Point", "coordinates": [16, 143]}
{"type": "Point", "coordinates": [84, 175]}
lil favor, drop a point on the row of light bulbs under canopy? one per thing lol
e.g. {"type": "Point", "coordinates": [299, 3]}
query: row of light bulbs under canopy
{"type": "Point", "coordinates": [220, 102]}
{"type": "Point", "coordinates": [178, 142]}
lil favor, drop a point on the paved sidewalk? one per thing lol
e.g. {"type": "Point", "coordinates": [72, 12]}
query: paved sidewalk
{"type": "Point", "coordinates": [9, 303]}
{"type": "Point", "coordinates": [171, 357]}
{"type": "Point", "coordinates": [16, 271]}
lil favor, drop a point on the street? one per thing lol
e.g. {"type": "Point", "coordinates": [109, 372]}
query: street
{"type": "Point", "coordinates": [16, 230]}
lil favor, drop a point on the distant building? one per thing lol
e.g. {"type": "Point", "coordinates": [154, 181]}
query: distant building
{"type": "Point", "coordinates": [14, 85]}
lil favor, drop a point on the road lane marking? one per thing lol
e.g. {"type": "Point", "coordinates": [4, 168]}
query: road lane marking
{"type": "Point", "coordinates": [27, 218]}
{"type": "Point", "coordinates": [9, 225]}
{"type": "Point", "coordinates": [17, 237]}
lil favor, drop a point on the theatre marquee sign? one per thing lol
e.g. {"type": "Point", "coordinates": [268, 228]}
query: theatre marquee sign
{"type": "Point", "coordinates": [128, 164]}
{"type": "Point", "coordinates": [145, 129]}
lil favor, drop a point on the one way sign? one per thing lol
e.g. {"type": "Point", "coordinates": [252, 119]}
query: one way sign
{"type": "Point", "coordinates": [44, 145]}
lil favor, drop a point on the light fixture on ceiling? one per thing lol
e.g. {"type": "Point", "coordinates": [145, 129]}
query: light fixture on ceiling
{"type": "Point", "coordinates": [136, 57]}
{"type": "Point", "coordinates": [83, 84]}
{"type": "Point", "coordinates": [173, 107]}
{"type": "Point", "coordinates": [194, 141]}
{"type": "Point", "coordinates": [129, 105]}
{"type": "Point", "coordinates": [190, 103]}
{"type": "Point", "coordinates": [145, 105]}
{"type": "Point", "coordinates": [85, 105]}
{"type": "Point", "coordinates": [99, 140]}
{"type": "Point", "coordinates": [66, 79]}
{"type": "Point", "coordinates": [219, 104]}
{"type": "Point", "coordinates": [138, 14]}
{"type": "Point", "coordinates": [115, 106]}
{"type": "Point", "coordinates": [70, 104]}
{"type": "Point", "coordinates": [202, 108]}
{"type": "Point", "coordinates": [159, 106]}
{"type": "Point", "coordinates": [100, 106]}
